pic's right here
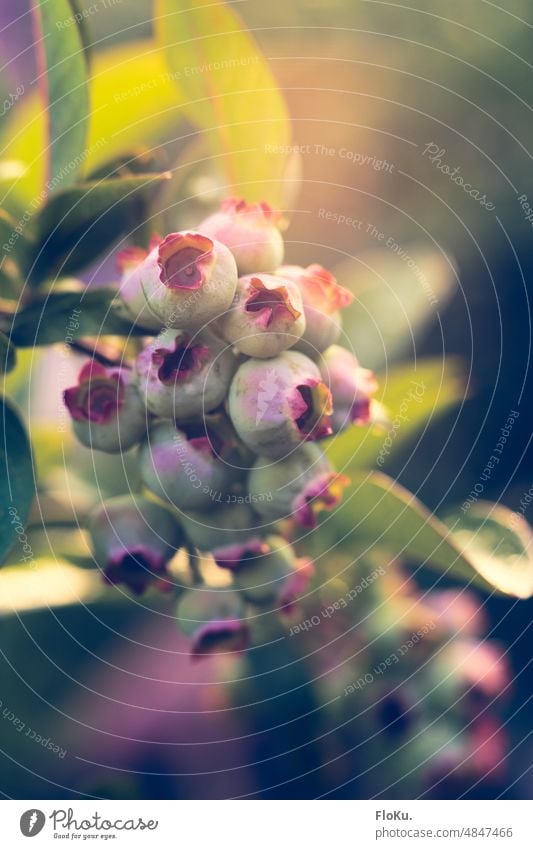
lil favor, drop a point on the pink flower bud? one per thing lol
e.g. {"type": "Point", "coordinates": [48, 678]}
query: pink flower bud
{"type": "Point", "coordinates": [181, 376]}
{"type": "Point", "coordinates": [266, 316]}
{"type": "Point", "coordinates": [300, 486]}
{"type": "Point", "coordinates": [187, 279]}
{"type": "Point", "coordinates": [190, 467]}
{"type": "Point", "coordinates": [351, 387]}
{"type": "Point", "coordinates": [323, 299]}
{"type": "Point", "coordinates": [106, 409]}
{"type": "Point", "coordinates": [132, 540]}
{"type": "Point", "coordinates": [250, 231]}
{"type": "Point", "coordinates": [214, 618]}
{"type": "Point", "coordinates": [277, 404]}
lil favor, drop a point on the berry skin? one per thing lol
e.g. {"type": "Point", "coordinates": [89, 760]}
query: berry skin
{"type": "Point", "coordinates": [186, 467]}
{"type": "Point", "coordinates": [106, 409]}
{"type": "Point", "coordinates": [187, 280]}
{"type": "Point", "coordinates": [214, 618]}
{"type": "Point", "coordinates": [226, 527]}
{"type": "Point", "coordinates": [266, 316]}
{"type": "Point", "coordinates": [273, 575]}
{"type": "Point", "coordinates": [277, 404]}
{"type": "Point", "coordinates": [132, 540]}
{"type": "Point", "coordinates": [181, 376]}
{"type": "Point", "coordinates": [300, 486]}
{"type": "Point", "coordinates": [351, 387]}
{"type": "Point", "coordinates": [323, 299]}
{"type": "Point", "coordinates": [250, 232]}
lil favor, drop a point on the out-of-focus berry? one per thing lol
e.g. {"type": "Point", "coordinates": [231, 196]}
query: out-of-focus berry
{"type": "Point", "coordinates": [266, 316]}
{"type": "Point", "coordinates": [277, 404]}
{"type": "Point", "coordinates": [351, 387]}
{"type": "Point", "coordinates": [214, 619]}
{"type": "Point", "coordinates": [182, 376]}
{"type": "Point", "coordinates": [228, 525]}
{"type": "Point", "coordinates": [250, 231]}
{"type": "Point", "coordinates": [300, 486]}
{"type": "Point", "coordinates": [106, 408]}
{"type": "Point", "coordinates": [323, 298]}
{"type": "Point", "coordinates": [190, 467]}
{"type": "Point", "coordinates": [272, 575]}
{"type": "Point", "coordinates": [186, 281]}
{"type": "Point", "coordinates": [132, 540]}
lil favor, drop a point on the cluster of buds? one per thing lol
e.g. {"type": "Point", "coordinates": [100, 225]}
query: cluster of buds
{"type": "Point", "coordinates": [237, 380]}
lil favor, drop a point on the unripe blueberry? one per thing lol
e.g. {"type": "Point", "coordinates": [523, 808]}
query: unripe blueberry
{"type": "Point", "coordinates": [226, 526]}
{"type": "Point", "coordinates": [214, 618]}
{"type": "Point", "coordinates": [132, 540]}
{"type": "Point", "coordinates": [301, 486]}
{"type": "Point", "coordinates": [187, 279]}
{"type": "Point", "coordinates": [106, 409]}
{"type": "Point", "coordinates": [273, 575]}
{"type": "Point", "coordinates": [277, 404]}
{"type": "Point", "coordinates": [266, 316]}
{"type": "Point", "coordinates": [250, 231]}
{"type": "Point", "coordinates": [182, 376]}
{"type": "Point", "coordinates": [351, 387]}
{"type": "Point", "coordinates": [323, 299]}
{"type": "Point", "coordinates": [188, 467]}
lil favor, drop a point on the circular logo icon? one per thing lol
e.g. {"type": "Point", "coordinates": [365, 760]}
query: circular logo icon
{"type": "Point", "coordinates": [32, 822]}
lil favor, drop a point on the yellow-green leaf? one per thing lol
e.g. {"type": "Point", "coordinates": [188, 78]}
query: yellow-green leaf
{"type": "Point", "coordinates": [230, 93]}
{"type": "Point", "coordinates": [499, 543]}
{"type": "Point", "coordinates": [413, 398]}
{"type": "Point", "coordinates": [379, 513]}
{"type": "Point", "coordinates": [133, 101]}
{"type": "Point", "coordinates": [63, 82]}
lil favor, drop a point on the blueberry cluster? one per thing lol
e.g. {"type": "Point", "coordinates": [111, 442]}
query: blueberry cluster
{"type": "Point", "coordinates": [237, 380]}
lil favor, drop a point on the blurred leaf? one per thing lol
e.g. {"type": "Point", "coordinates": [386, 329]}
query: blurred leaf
{"type": "Point", "coordinates": [231, 93]}
{"type": "Point", "coordinates": [76, 225]}
{"type": "Point", "coordinates": [48, 319]}
{"type": "Point", "coordinates": [378, 512]}
{"type": "Point", "coordinates": [413, 398]}
{"type": "Point", "coordinates": [8, 354]}
{"type": "Point", "coordinates": [52, 583]}
{"type": "Point", "coordinates": [63, 81]}
{"type": "Point", "coordinates": [83, 28]}
{"type": "Point", "coordinates": [499, 543]}
{"type": "Point", "coordinates": [13, 256]}
{"type": "Point", "coordinates": [132, 95]}
{"type": "Point", "coordinates": [16, 478]}
{"type": "Point", "coordinates": [396, 295]}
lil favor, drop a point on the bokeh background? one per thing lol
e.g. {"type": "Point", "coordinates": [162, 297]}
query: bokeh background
{"type": "Point", "coordinates": [370, 86]}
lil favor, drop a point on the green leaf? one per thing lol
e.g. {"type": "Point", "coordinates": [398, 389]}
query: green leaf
{"type": "Point", "coordinates": [59, 317]}
{"type": "Point", "coordinates": [8, 354]}
{"type": "Point", "coordinates": [78, 224]}
{"type": "Point", "coordinates": [14, 251]}
{"type": "Point", "coordinates": [63, 79]}
{"type": "Point", "coordinates": [379, 513]}
{"type": "Point", "coordinates": [16, 479]}
{"type": "Point", "coordinates": [230, 93]}
{"type": "Point", "coordinates": [413, 397]}
{"type": "Point", "coordinates": [398, 293]}
{"type": "Point", "coordinates": [131, 92]}
{"type": "Point", "coordinates": [499, 543]}
{"type": "Point", "coordinates": [83, 28]}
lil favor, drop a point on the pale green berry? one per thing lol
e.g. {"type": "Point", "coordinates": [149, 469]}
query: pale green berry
{"type": "Point", "coordinates": [277, 404]}
{"type": "Point", "coordinates": [265, 318]}
{"type": "Point", "coordinates": [106, 408]}
{"type": "Point", "coordinates": [181, 376]}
